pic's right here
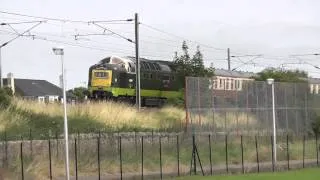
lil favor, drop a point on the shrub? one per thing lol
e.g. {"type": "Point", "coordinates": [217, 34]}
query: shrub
{"type": "Point", "coordinates": [316, 125]}
{"type": "Point", "coordinates": [5, 98]}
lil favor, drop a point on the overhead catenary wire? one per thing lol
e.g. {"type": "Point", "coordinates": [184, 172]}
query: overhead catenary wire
{"type": "Point", "coordinates": [102, 23]}
{"type": "Point", "coordinates": [62, 20]}
{"type": "Point", "coordinates": [20, 34]}
{"type": "Point", "coordinates": [107, 29]}
{"type": "Point", "coordinates": [180, 37]}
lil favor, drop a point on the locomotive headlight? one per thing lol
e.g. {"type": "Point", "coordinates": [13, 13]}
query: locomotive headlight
{"type": "Point", "coordinates": [130, 80]}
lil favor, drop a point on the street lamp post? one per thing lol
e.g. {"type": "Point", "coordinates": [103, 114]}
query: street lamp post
{"type": "Point", "coordinates": [271, 82]}
{"type": "Point", "coordinates": [59, 51]}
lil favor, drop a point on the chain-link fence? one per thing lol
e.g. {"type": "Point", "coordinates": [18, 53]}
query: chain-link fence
{"type": "Point", "coordinates": [247, 106]}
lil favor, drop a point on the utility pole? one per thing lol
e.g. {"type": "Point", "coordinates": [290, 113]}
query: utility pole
{"type": "Point", "coordinates": [138, 97]}
{"type": "Point", "coordinates": [229, 68]}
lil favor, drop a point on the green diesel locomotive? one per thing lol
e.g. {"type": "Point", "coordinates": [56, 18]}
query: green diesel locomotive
{"type": "Point", "coordinates": [115, 78]}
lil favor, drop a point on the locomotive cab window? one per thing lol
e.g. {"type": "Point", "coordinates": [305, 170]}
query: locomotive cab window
{"type": "Point", "coordinates": [165, 77]}
{"type": "Point", "coordinates": [104, 75]}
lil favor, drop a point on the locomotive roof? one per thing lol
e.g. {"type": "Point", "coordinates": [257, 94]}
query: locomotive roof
{"type": "Point", "coordinates": [147, 64]}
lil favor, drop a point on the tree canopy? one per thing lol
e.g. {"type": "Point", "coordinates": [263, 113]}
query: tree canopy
{"type": "Point", "coordinates": [79, 93]}
{"type": "Point", "coordinates": [185, 65]}
{"type": "Point", "coordinates": [280, 75]}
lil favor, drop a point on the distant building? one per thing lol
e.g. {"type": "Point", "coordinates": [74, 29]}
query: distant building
{"type": "Point", "coordinates": [231, 80]}
{"type": "Point", "coordinates": [32, 89]}
{"type": "Point", "coordinates": [314, 85]}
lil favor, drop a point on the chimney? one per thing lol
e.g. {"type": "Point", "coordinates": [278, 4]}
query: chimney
{"type": "Point", "coordinates": [11, 82]}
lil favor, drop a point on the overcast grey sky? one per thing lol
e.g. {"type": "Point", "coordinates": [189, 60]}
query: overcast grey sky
{"type": "Point", "coordinates": [274, 28]}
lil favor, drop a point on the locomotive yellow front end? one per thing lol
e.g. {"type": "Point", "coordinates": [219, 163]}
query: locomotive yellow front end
{"type": "Point", "coordinates": [101, 78]}
{"type": "Point", "coordinates": [100, 83]}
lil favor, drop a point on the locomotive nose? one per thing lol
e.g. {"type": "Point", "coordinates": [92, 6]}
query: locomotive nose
{"type": "Point", "coordinates": [101, 78]}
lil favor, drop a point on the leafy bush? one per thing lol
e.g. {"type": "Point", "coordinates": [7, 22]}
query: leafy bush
{"type": "Point", "coordinates": [5, 98]}
{"type": "Point", "coordinates": [316, 125]}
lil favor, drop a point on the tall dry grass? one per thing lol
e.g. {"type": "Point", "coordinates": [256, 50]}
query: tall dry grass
{"type": "Point", "coordinates": [110, 114]}
{"type": "Point", "coordinates": [24, 114]}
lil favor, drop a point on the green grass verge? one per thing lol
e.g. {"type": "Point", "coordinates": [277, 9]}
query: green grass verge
{"type": "Point", "coordinates": [308, 174]}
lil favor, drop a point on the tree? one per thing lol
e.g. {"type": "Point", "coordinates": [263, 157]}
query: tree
{"type": "Point", "coordinates": [282, 75]}
{"type": "Point", "coordinates": [186, 66]}
{"type": "Point", "coordinates": [5, 98]}
{"type": "Point", "coordinates": [79, 93]}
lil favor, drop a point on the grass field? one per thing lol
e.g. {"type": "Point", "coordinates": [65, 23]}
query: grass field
{"type": "Point", "coordinates": [307, 174]}
{"type": "Point", "coordinates": [22, 115]}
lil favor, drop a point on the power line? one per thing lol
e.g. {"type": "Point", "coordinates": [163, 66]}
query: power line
{"type": "Point", "coordinates": [4, 44]}
{"type": "Point", "coordinates": [92, 34]}
{"type": "Point", "coordinates": [171, 34]}
{"type": "Point", "coordinates": [61, 20]}
{"type": "Point", "coordinates": [106, 29]}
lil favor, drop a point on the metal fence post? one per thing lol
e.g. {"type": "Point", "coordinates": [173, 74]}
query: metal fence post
{"type": "Point", "coordinates": [30, 139]}
{"type": "Point", "coordinates": [6, 149]}
{"type": "Point", "coordinates": [272, 153]}
{"type": "Point", "coordinates": [78, 144]}
{"type": "Point", "coordinates": [210, 156]}
{"type": "Point", "coordinates": [178, 155]}
{"type": "Point", "coordinates": [57, 142]}
{"type": "Point", "coordinates": [135, 141]}
{"type": "Point", "coordinates": [257, 153]}
{"type": "Point", "coordinates": [152, 136]}
{"type": "Point", "coordinates": [304, 150]}
{"type": "Point", "coordinates": [120, 156]}
{"type": "Point", "coordinates": [288, 152]}
{"type": "Point", "coordinates": [317, 150]}
{"type": "Point", "coordinates": [142, 157]}
{"type": "Point", "coordinates": [21, 160]}
{"type": "Point", "coordinates": [98, 149]}
{"type": "Point", "coordinates": [160, 156]}
{"type": "Point", "coordinates": [76, 157]}
{"type": "Point", "coordinates": [226, 143]}
{"type": "Point", "coordinates": [50, 161]}
{"type": "Point", "coordinates": [242, 163]}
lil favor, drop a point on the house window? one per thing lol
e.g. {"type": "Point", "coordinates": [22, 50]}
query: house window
{"type": "Point", "coordinates": [227, 84]}
{"type": "Point", "coordinates": [215, 83]}
{"type": "Point", "coordinates": [221, 84]}
{"type": "Point", "coordinates": [231, 84]}
{"type": "Point", "coordinates": [236, 84]}
{"type": "Point", "coordinates": [239, 84]}
{"type": "Point", "coordinates": [317, 89]}
{"type": "Point", "coordinates": [311, 88]}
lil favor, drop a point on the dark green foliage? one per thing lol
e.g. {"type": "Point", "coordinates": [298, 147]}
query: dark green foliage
{"type": "Point", "coordinates": [316, 125]}
{"type": "Point", "coordinates": [79, 93]}
{"type": "Point", "coordinates": [282, 75]}
{"type": "Point", "coordinates": [5, 98]}
{"type": "Point", "coordinates": [185, 66]}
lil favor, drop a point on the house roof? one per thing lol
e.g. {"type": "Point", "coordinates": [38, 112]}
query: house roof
{"type": "Point", "coordinates": [314, 80]}
{"type": "Point", "coordinates": [238, 74]}
{"type": "Point", "coordinates": [32, 87]}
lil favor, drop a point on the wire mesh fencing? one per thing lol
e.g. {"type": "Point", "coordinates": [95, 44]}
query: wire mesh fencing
{"type": "Point", "coordinates": [247, 108]}
{"type": "Point", "coordinates": [155, 155]}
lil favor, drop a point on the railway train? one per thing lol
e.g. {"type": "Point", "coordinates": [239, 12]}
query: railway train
{"type": "Point", "coordinates": [115, 78]}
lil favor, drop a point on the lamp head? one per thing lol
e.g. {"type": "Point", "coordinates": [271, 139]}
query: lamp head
{"type": "Point", "coordinates": [270, 81]}
{"type": "Point", "coordinates": [58, 50]}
